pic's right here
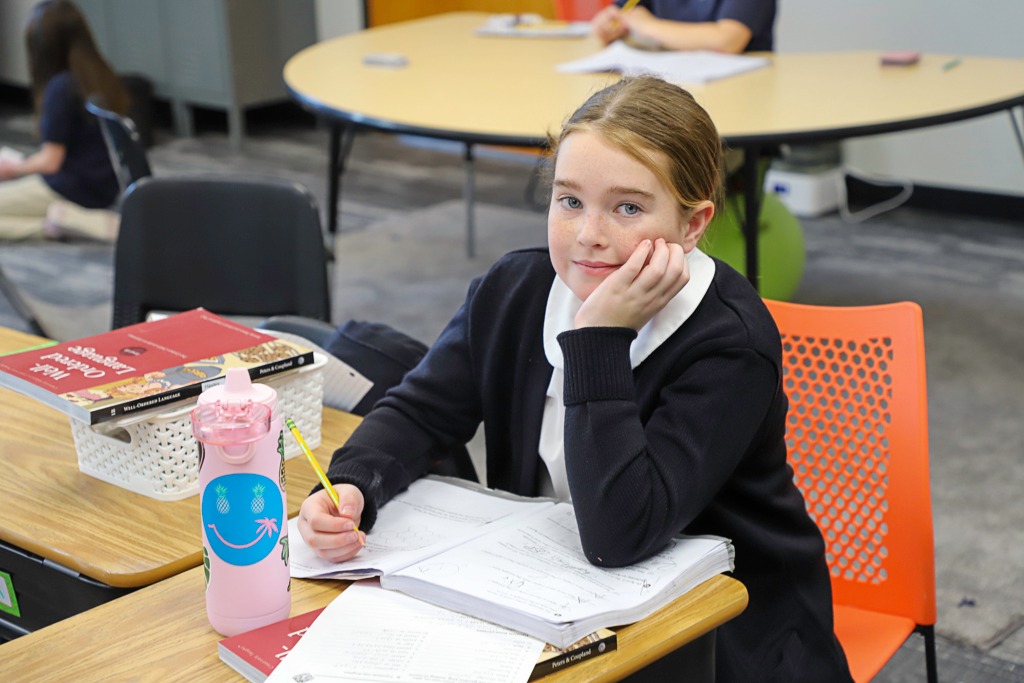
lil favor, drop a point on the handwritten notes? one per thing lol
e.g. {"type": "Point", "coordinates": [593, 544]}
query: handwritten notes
{"type": "Point", "coordinates": [370, 634]}
{"type": "Point", "coordinates": [534, 577]}
{"type": "Point", "coordinates": [428, 517]}
{"type": "Point", "coordinates": [513, 561]}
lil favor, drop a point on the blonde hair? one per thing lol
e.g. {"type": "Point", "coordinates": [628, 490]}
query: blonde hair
{"type": "Point", "coordinates": [661, 126]}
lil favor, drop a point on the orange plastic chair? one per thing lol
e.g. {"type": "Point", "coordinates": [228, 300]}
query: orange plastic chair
{"type": "Point", "coordinates": [579, 10]}
{"type": "Point", "coordinates": [857, 432]}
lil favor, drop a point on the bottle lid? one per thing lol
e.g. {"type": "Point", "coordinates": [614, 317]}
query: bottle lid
{"type": "Point", "coordinates": [238, 387]}
{"type": "Point", "coordinates": [228, 423]}
{"type": "Point", "coordinates": [236, 412]}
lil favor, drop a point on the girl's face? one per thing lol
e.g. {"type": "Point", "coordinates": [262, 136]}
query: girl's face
{"type": "Point", "coordinates": [603, 204]}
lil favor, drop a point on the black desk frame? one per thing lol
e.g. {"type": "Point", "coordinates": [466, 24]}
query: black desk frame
{"type": "Point", "coordinates": [343, 126]}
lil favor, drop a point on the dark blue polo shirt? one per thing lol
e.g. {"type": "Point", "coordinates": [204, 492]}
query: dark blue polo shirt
{"type": "Point", "coordinates": [757, 15]}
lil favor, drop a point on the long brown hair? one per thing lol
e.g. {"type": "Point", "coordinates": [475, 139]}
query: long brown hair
{"type": "Point", "coordinates": [58, 39]}
{"type": "Point", "coordinates": [655, 122]}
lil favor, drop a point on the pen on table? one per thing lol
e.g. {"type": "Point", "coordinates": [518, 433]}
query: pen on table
{"type": "Point", "coordinates": [951, 64]}
{"type": "Point", "coordinates": [321, 475]}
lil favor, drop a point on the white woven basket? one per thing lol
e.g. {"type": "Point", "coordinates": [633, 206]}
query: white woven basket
{"type": "Point", "coordinates": [157, 455]}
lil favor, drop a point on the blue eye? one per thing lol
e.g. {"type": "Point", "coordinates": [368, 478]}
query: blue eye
{"type": "Point", "coordinates": [630, 209]}
{"type": "Point", "coordinates": [570, 202]}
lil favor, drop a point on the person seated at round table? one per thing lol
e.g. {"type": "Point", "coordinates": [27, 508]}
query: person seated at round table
{"type": "Point", "coordinates": [729, 26]}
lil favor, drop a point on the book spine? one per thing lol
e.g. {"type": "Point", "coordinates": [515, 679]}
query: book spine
{"type": "Point", "coordinates": [149, 403]}
{"type": "Point", "coordinates": [575, 656]}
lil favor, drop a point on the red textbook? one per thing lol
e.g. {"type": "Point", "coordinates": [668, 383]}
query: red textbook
{"type": "Point", "coordinates": [255, 653]}
{"type": "Point", "coordinates": [145, 366]}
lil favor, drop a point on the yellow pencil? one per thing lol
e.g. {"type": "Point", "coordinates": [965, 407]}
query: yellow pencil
{"type": "Point", "coordinates": [630, 4]}
{"type": "Point", "coordinates": [321, 475]}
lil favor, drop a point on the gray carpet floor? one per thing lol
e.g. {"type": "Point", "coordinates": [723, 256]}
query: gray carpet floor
{"type": "Point", "coordinates": [400, 258]}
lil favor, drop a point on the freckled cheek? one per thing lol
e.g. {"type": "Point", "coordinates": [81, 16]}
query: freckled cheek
{"type": "Point", "coordinates": [559, 245]}
{"type": "Point", "coordinates": [560, 234]}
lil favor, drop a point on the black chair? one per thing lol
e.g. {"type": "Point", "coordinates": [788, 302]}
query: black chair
{"type": "Point", "coordinates": [238, 246]}
{"type": "Point", "coordinates": [124, 144]}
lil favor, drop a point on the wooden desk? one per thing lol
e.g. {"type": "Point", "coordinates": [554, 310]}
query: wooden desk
{"type": "Point", "coordinates": [119, 538]}
{"type": "Point", "coordinates": [160, 633]}
{"type": "Point", "coordinates": [505, 91]}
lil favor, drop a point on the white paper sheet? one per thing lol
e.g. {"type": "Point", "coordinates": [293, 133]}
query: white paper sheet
{"type": "Point", "coordinates": [533, 576]}
{"type": "Point", "coordinates": [692, 67]}
{"type": "Point", "coordinates": [370, 634]}
{"type": "Point", "coordinates": [428, 517]}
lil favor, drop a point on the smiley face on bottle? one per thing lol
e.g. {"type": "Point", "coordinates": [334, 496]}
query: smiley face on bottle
{"type": "Point", "coordinates": [243, 517]}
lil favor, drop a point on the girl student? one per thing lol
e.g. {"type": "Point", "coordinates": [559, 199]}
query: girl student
{"type": "Point", "coordinates": [67, 186]}
{"type": "Point", "coordinates": [624, 370]}
{"type": "Point", "coordinates": [728, 26]}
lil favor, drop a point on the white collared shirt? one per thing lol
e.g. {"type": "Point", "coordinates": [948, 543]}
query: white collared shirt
{"type": "Point", "coordinates": [559, 315]}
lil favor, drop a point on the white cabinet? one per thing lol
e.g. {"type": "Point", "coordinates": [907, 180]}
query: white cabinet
{"type": "Point", "coordinates": [13, 64]}
{"type": "Point", "coordinates": [223, 54]}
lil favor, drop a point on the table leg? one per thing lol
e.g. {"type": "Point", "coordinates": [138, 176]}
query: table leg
{"type": "Point", "coordinates": [468, 196]}
{"type": "Point", "coordinates": [236, 127]}
{"type": "Point", "coordinates": [1016, 128]}
{"type": "Point", "coordinates": [752, 212]}
{"type": "Point", "coordinates": [184, 125]}
{"type": "Point", "coordinates": [339, 147]}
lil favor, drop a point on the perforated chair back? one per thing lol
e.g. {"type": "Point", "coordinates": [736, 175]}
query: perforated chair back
{"type": "Point", "coordinates": [124, 145]}
{"type": "Point", "coordinates": [238, 246]}
{"type": "Point", "coordinates": [857, 434]}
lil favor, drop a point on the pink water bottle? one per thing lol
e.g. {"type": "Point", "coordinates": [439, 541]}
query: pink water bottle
{"type": "Point", "coordinates": [242, 496]}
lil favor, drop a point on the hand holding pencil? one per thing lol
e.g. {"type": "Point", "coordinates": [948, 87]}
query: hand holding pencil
{"type": "Point", "coordinates": [312, 517]}
{"type": "Point", "coordinates": [608, 24]}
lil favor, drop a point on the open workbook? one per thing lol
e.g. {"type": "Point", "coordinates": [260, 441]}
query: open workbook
{"type": "Point", "coordinates": [516, 562]}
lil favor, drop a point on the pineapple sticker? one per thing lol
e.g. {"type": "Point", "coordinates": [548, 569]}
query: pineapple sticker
{"type": "Point", "coordinates": [206, 565]}
{"type": "Point", "coordinates": [280, 450]}
{"type": "Point", "coordinates": [223, 506]}
{"type": "Point", "coordinates": [257, 499]}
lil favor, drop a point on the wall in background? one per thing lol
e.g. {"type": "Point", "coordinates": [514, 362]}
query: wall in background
{"type": "Point", "coordinates": [337, 17]}
{"type": "Point", "coordinates": [13, 63]}
{"type": "Point", "coordinates": [979, 155]}
{"type": "Point", "coordinates": [389, 11]}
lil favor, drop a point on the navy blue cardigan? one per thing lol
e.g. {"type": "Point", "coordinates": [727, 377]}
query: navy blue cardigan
{"type": "Point", "coordinates": [690, 440]}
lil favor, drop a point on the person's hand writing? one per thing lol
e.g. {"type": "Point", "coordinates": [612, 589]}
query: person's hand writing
{"type": "Point", "coordinates": [639, 24]}
{"type": "Point", "coordinates": [642, 286]}
{"type": "Point", "coordinates": [331, 534]}
{"type": "Point", "coordinates": [607, 24]}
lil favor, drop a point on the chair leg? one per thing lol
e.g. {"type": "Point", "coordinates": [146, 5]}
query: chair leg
{"type": "Point", "coordinates": [9, 290]}
{"type": "Point", "coordinates": [930, 661]}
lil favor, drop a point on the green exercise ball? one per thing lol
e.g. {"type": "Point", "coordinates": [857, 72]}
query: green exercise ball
{"type": "Point", "coordinates": [780, 244]}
